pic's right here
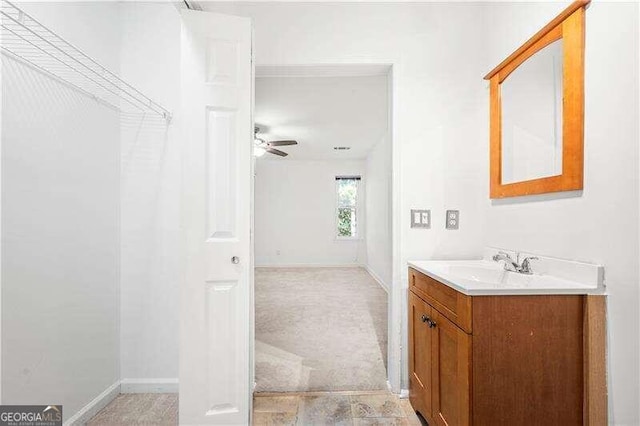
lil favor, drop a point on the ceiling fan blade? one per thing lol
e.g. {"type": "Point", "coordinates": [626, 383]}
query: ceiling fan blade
{"type": "Point", "coordinates": [277, 152]}
{"type": "Point", "coordinates": [282, 143]}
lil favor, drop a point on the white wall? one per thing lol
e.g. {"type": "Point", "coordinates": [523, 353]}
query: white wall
{"type": "Point", "coordinates": [150, 209]}
{"type": "Point", "coordinates": [60, 223]}
{"type": "Point", "coordinates": [112, 215]}
{"type": "Point", "coordinates": [378, 212]}
{"type": "Point", "coordinates": [295, 218]}
{"type": "Point", "coordinates": [599, 225]}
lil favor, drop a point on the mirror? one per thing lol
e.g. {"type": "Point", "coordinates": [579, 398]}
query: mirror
{"type": "Point", "coordinates": [537, 111]}
{"type": "Point", "coordinates": [532, 117]}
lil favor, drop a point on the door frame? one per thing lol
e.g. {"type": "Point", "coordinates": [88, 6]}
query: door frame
{"type": "Point", "coordinates": [396, 305]}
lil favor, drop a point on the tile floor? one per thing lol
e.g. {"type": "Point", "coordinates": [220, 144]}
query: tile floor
{"type": "Point", "coordinates": [333, 409]}
{"type": "Point", "coordinates": [301, 409]}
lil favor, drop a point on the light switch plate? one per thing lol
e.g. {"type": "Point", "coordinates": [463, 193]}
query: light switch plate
{"type": "Point", "coordinates": [453, 219]}
{"type": "Point", "coordinates": [421, 219]}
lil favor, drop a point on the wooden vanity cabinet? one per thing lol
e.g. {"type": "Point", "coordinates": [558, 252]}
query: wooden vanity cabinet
{"type": "Point", "coordinates": [420, 361]}
{"type": "Point", "coordinates": [439, 355]}
{"type": "Point", "coordinates": [450, 373]}
{"type": "Point", "coordinates": [505, 360]}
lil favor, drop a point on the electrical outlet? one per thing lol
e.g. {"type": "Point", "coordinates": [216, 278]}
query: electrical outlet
{"type": "Point", "coordinates": [421, 219]}
{"type": "Point", "coordinates": [453, 219]}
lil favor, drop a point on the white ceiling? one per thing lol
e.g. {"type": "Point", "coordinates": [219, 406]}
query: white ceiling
{"type": "Point", "coordinates": [328, 70]}
{"type": "Point", "coordinates": [321, 111]}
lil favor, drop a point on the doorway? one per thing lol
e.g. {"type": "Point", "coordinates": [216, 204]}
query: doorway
{"type": "Point", "coordinates": [322, 228]}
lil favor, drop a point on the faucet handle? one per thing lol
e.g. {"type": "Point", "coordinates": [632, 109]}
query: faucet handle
{"type": "Point", "coordinates": [496, 257]}
{"type": "Point", "coordinates": [526, 264]}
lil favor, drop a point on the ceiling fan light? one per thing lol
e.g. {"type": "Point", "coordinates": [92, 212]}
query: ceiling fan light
{"type": "Point", "coordinates": [258, 151]}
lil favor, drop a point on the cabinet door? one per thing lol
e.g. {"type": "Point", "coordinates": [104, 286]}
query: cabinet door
{"type": "Point", "coordinates": [419, 356]}
{"type": "Point", "coordinates": [451, 372]}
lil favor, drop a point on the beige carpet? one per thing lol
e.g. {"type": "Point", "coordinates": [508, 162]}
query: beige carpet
{"type": "Point", "coordinates": [319, 329]}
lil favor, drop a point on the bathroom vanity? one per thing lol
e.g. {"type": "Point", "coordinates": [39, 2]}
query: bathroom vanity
{"type": "Point", "coordinates": [492, 347]}
{"type": "Point", "coordinates": [526, 346]}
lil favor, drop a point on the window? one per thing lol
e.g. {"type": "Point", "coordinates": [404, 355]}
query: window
{"type": "Point", "coordinates": [346, 206]}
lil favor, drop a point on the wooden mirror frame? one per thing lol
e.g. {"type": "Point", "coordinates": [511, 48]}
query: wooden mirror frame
{"type": "Point", "coordinates": [568, 26]}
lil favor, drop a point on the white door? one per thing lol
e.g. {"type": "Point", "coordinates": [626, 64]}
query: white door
{"type": "Point", "coordinates": [216, 79]}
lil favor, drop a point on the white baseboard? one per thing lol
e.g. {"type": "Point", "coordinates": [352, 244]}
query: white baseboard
{"type": "Point", "coordinates": [92, 408]}
{"type": "Point", "coordinates": [376, 278]}
{"type": "Point", "coordinates": [169, 385]}
{"type": "Point", "coordinates": [312, 265]}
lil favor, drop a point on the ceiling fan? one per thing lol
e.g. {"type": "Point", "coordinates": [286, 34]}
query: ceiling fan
{"type": "Point", "coordinates": [261, 146]}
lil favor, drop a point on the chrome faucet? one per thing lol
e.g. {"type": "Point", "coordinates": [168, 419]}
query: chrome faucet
{"type": "Point", "coordinates": [515, 265]}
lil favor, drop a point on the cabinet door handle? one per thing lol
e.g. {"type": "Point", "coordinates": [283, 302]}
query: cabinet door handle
{"type": "Point", "coordinates": [432, 323]}
{"type": "Point", "coordinates": [425, 318]}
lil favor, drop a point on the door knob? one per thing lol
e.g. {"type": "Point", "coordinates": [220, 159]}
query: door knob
{"type": "Point", "coordinates": [235, 260]}
{"type": "Point", "coordinates": [425, 318]}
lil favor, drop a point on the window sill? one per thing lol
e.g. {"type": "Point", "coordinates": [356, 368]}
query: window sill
{"type": "Point", "coordinates": [349, 239]}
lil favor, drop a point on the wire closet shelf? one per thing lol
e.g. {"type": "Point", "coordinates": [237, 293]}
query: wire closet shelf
{"type": "Point", "coordinates": [28, 41]}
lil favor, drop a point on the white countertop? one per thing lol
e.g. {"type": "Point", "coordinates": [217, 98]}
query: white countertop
{"type": "Point", "coordinates": [486, 277]}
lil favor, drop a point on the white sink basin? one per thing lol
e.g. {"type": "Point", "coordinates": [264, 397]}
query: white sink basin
{"type": "Point", "coordinates": [483, 277]}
